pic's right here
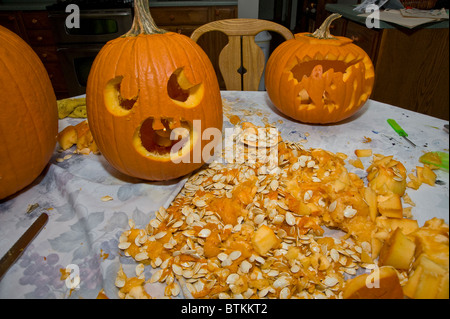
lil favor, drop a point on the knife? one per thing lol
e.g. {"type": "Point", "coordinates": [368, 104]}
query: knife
{"type": "Point", "coordinates": [16, 251]}
{"type": "Point", "coordinates": [399, 130]}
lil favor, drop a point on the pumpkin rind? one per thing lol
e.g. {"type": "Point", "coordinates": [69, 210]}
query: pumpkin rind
{"type": "Point", "coordinates": [319, 80]}
{"type": "Point", "coordinates": [28, 116]}
{"type": "Point", "coordinates": [144, 66]}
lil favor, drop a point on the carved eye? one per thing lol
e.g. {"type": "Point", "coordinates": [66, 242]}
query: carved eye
{"type": "Point", "coordinates": [182, 91]}
{"type": "Point", "coordinates": [114, 102]}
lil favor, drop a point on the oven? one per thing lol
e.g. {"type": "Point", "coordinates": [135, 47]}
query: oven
{"type": "Point", "coordinates": [76, 62]}
{"type": "Point", "coordinates": [99, 22]}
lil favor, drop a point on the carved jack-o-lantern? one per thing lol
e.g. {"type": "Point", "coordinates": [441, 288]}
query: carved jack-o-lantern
{"type": "Point", "coordinates": [150, 96]}
{"type": "Point", "coordinates": [319, 78]}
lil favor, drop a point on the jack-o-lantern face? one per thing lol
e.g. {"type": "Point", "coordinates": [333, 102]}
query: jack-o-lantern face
{"type": "Point", "coordinates": [318, 78]}
{"type": "Point", "coordinates": [143, 95]}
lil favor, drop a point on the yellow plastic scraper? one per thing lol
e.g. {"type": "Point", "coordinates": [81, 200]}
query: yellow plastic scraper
{"type": "Point", "coordinates": [399, 130]}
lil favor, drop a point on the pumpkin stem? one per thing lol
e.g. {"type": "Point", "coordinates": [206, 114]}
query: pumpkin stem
{"type": "Point", "coordinates": [324, 30]}
{"type": "Point", "coordinates": [143, 22]}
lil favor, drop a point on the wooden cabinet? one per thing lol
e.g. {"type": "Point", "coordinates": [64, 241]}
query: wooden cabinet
{"type": "Point", "coordinates": [180, 19]}
{"type": "Point", "coordinates": [412, 70]}
{"type": "Point", "coordinates": [367, 39]}
{"type": "Point", "coordinates": [13, 22]}
{"type": "Point", "coordinates": [311, 14]}
{"type": "Point", "coordinates": [186, 19]}
{"type": "Point", "coordinates": [411, 66]}
{"type": "Point", "coordinates": [35, 28]}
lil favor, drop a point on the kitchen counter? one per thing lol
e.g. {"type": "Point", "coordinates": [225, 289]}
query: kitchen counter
{"type": "Point", "coordinates": [346, 10]}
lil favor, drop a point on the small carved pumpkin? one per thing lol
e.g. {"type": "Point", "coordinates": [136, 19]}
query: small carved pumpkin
{"type": "Point", "coordinates": [143, 87]}
{"type": "Point", "coordinates": [319, 78]}
{"type": "Point", "coordinates": [28, 114]}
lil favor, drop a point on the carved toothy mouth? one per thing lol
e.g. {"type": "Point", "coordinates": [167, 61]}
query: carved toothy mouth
{"type": "Point", "coordinates": [306, 68]}
{"type": "Point", "coordinates": [320, 82]}
{"type": "Point", "coordinates": [163, 138]}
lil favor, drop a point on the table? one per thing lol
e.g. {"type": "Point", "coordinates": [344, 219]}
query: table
{"type": "Point", "coordinates": [82, 233]}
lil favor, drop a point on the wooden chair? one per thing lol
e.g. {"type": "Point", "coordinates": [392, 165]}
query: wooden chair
{"type": "Point", "coordinates": [241, 61]}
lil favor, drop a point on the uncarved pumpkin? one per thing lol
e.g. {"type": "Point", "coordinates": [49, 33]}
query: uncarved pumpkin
{"type": "Point", "coordinates": [143, 86]}
{"type": "Point", "coordinates": [319, 78]}
{"type": "Point", "coordinates": [28, 114]}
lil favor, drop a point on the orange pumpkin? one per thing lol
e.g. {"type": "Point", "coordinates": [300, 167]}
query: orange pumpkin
{"type": "Point", "coordinates": [28, 114]}
{"type": "Point", "coordinates": [146, 86]}
{"type": "Point", "coordinates": [319, 78]}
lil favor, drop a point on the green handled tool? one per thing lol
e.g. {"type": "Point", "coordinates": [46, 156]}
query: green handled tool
{"type": "Point", "coordinates": [436, 159]}
{"type": "Point", "coordinates": [399, 130]}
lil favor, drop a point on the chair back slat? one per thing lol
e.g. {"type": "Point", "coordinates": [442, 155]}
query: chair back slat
{"type": "Point", "coordinates": [241, 61]}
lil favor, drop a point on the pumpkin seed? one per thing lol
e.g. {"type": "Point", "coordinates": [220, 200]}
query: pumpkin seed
{"type": "Point", "coordinates": [308, 195]}
{"type": "Point", "coordinates": [124, 245]}
{"type": "Point", "coordinates": [330, 281]}
{"type": "Point", "coordinates": [235, 255]}
{"type": "Point", "coordinates": [141, 256]}
{"type": "Point", "coordinates": [349, 212]}
{"type": "Point", "coordinates": [332, 206]}
{"type": "Point", "coordinates": [290, 219]}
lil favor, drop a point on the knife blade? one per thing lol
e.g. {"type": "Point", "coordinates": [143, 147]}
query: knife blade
{"type": "Point", "coordinates": [18, 248]}
{"type": "Point", "coordinates": [397, 128]}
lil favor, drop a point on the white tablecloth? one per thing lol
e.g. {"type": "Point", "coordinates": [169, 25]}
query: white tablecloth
{"type": "Point", "coordinates": [83, 231]}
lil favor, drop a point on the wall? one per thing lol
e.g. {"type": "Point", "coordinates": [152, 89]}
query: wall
{"type": "Point", "coordinates": [266, 9]}
{"type": "Point", "coordinates": [248, 9]}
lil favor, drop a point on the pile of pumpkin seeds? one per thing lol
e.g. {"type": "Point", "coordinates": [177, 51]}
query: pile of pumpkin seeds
{"type": "Point", "coordinates": [196, 251]}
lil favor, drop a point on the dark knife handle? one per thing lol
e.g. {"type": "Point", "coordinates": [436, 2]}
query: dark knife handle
{"type": "Point", "coordinates": [18, 248]}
